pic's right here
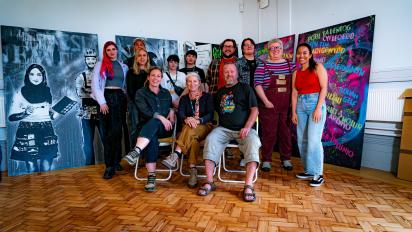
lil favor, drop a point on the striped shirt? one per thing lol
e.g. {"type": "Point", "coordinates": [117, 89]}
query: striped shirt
{"type": "Point", "coordinates": [262, 74]}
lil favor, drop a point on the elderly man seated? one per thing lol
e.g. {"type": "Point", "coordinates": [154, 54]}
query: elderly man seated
{"type": "Point", "coordinates": [236, 106]}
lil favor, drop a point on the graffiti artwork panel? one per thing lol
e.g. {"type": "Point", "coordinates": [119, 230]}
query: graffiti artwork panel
{"type": "Point", "coordinates": [40, 70]}
{"type": "Point", "coordinates": [288, 48]}
{"type": "Point", "coordinates": [346, 52]}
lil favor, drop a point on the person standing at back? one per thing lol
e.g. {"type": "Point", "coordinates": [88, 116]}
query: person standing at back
{"type": "Point", "coordinates": [190, 67]}
{"type": "Point", "coordinates": [215, 78]}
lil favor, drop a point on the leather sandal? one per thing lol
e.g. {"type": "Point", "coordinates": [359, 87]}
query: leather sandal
{"type": "Point", "coordinates": [249, 197]}
{"type": "Point", "coordinates": [204, 191]}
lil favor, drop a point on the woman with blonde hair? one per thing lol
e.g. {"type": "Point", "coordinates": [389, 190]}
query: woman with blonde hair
{"type": "Point", "coordinates": [135, 80]}
{"type": "Point", "coordinates": [196, 111]}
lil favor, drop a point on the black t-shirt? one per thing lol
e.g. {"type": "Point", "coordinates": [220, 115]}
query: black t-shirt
{"type": "Point", "coordinates": [252, 68]}
{"type": "Point", "coordinates": [134, 82]}
{"type": "Point", "coordinates": [233, 105]}
{"type": "Point", "coordinates": [197, 70]}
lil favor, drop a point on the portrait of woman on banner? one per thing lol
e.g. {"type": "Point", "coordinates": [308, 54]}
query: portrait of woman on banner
{"type": "Point", "coordinates": [35, 142]}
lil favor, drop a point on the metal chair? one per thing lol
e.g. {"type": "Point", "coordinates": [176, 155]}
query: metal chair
{"type": "Point", "coordinates": [163, 142]}
{"type": "Point", "coordinates": [222, 163]}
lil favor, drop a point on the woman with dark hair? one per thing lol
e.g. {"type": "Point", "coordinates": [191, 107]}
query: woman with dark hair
{"type": "Point", "coordinates": [273, 82]}
{"type": "Point", "coordinates": [156, 118]}
{"type": "Point", "coordinates": [135, 80]}
{"type": "Point", "coordinates": [108, 88]}
{"type": "Point", "coordinates": [196, 112]}
{"type": "Point", "coordinates": [309, 88]}
{"type": "Point", "coordinates": [35, 138]}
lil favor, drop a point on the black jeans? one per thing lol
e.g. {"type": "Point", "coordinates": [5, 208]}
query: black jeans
{"type": "Point", "coordinates": [152, 130]}
{"type": "Point", "coordinates": [112, 124]}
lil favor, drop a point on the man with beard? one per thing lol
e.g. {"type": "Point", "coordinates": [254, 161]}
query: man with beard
{"type": "Point", "coordinates": [215, 77]}
{"type": "Point", "coordinates": [89, 107]}
{"type": "Point", "coordinates": [236, 106]}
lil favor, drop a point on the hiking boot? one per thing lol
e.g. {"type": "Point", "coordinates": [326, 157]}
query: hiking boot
{"type": "Point", "coordinates": [132, 156]}
{"type": "Point", "coordinates": [192, 183]}
{"type": "Point", "coordinates": [171, 160]}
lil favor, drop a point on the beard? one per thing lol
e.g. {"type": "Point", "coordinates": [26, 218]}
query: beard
{"type": "Point", "coordinates": [229, 56]}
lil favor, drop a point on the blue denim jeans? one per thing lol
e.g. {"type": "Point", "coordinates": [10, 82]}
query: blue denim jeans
{"type": "Point", "coordinates": [310, 133]}
{"type": "Point", "coordinates": [88, 127]}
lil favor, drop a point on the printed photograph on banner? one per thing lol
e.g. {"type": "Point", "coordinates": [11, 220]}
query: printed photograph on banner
{"type": "Point", "coordinates": [346, 52]}
{"type": "Point", "coordinates": [158, 49]}
{"type": "Point", "coordinates": [44, 73]}
{"type": "Point", "coordinates": [288, 48]}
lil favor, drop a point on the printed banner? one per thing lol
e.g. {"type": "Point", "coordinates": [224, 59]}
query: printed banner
{"type": "Point", "coordinates": [158, 49]}
{"type": "Point", "coordinates": [288, 48]}
{"type": "Point", "coordinates": [41, 69]}
{"type": "Point", "coordinates": [346, 52]}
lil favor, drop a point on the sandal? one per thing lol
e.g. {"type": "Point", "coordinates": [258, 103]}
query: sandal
{"type": "Point", "coordinates": [246, 196]}
{"type": "Point", "coordinates": [151, 183]}
{"type": "Point", "coordinates": [204, 191]}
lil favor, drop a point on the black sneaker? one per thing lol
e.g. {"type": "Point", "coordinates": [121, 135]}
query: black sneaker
{"type": "Point", "coordinates": [304, 176]}
{"type": "Point", "coordinates": [132, 156]}
{"type": "Point", "coordinates": [108, 173]}
{"type": "Point", "coordinates": [317, 181]}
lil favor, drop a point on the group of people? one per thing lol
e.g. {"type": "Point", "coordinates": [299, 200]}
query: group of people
{"type": "Point", "coordinates": [237, 89]}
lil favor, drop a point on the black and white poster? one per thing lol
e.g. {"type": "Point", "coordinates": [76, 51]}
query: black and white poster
{"type": "Point", "coordinates": [158, 49]}
{"type": "Point", "coordinates": [43, 106]}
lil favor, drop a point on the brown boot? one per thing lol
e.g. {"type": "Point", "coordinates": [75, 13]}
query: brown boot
{"type": "Point", "coordinates": [192, 183]}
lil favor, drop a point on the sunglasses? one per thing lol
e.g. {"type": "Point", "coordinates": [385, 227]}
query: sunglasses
{"type": "Point", "coordinates": [275, 48]}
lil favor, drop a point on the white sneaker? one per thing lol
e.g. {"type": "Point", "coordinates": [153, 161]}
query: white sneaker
{"type": "Point", "coordinates": [266, 166]}
{"type": "Point", "coordinates": [171, 160]}
{"type": "Point", "coordinates": [242, 163]}
{"type": "Point", "coordinates": [287, 165]}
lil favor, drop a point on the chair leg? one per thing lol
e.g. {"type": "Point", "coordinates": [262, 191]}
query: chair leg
{"type": "Point", "coordinates": [197, 166]}
{"type": "Point", "coordinates": [221, 166]}
{"type": "Point", "coordinates": [170, 171]}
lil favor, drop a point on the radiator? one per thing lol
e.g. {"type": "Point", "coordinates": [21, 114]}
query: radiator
{"type": "Point", "coordinates": [385, 105]}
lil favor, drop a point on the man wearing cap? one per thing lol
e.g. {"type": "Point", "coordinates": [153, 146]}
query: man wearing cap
{"type": "Point", "coordinates": [89, 107]}
{"type": "Point", "coordinates": [137, 44]}
{"type": "Point", "coordinates": [190, 66]}
{"type": "Point", "coordinates": [215, 78]}
{"type": "Point", "coordinates": [173, 80]}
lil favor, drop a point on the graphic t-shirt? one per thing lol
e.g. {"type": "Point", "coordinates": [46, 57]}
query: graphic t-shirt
{"type": "Point", "coordinates": [233, 105]}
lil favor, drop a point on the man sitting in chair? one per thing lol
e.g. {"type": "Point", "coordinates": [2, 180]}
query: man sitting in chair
{"type": "Point", "coordinates": [156, 118]}
{"type": "Point", "coordinates": [236, 105]}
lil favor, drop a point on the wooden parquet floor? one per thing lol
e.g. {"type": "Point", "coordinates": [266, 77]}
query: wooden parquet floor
{"type": "Point", "coordinates": [79, 199]}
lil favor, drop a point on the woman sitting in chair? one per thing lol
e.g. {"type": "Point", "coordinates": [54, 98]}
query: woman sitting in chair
{"type": "Point", "coordinates": [196, 111]}
{"type": "Point", "coordinates": [156, 118]}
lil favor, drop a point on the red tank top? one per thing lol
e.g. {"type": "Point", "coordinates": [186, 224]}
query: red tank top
{"type": "Point", "coordinates": [307, 82]}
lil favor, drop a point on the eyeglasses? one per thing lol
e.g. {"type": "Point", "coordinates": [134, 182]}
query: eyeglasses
{"type": "Point", "coordinates": [227, 46]}
{"type": "Point", "coordinates": [275, 48]}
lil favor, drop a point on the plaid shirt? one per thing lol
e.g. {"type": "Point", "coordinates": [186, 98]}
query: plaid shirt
{"type": "Point", "coordinates": [213, 75]}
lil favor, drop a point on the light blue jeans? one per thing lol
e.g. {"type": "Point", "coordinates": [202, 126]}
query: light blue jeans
{"type": "Point", "coordinates": [310, 133]}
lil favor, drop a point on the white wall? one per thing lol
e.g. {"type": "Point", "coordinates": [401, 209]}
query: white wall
{"type": "Point", "coordinates": [208, 21]}
{"type": "Point", "coordinates": [198, 20]}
